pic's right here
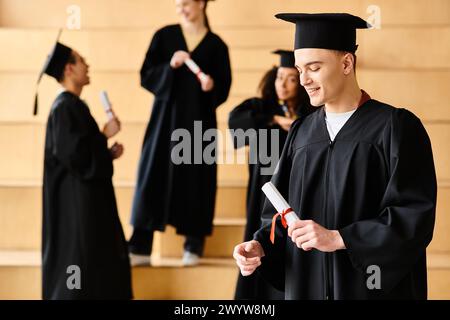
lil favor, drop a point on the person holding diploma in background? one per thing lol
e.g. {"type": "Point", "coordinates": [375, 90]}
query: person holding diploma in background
{"type": "Point", "coordinates": [282, 101]}
{"type": "Point", "coordinates": [359, 174]}
{"type": "Point", "coordinates": [84, 251]}
{"type": "Point", "coordinates": [179, 194]}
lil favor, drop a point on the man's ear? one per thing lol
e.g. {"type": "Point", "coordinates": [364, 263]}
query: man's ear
{"type": "Point", "coordinates": [68, 70]}
{"type": "Point", "coordinates": [348, 63]}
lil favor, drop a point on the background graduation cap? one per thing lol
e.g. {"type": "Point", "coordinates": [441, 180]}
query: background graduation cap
{"type": "Point", "coordinates": [335, 31]}
{"type": "Point", "coordinates": [54, 65]}
{"type": "Point", "coordinates": [287, 58]}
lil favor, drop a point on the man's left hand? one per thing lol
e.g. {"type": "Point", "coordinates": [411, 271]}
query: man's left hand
{"type": "Point", "coordinates": [307, 235]}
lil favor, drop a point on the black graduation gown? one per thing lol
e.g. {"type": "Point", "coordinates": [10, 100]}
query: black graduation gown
{"type": "Point", "coordinates": [376, 184]}
{"type": "Point", "coordinates": [182, 195]}
{"type": "Point", "coordinates": [81, 225]}
{"type": "Point", "coordinates": [255, 114]}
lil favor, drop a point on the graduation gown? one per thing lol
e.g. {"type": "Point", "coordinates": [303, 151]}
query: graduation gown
{"type": "Point", "coordinates": [376, 185]}
{"type": "Point", "coordinates": [256, 114]}
{"type": "Point", "coordinates": [182, 195]}
{"type": "Point", "coordinates": [81, 226]}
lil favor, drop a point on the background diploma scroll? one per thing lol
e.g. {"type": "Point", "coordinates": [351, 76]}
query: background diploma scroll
{"type": "Point", "coordinates": [195, 69]}
{"type": "Point", "coordinates": [277, 200]}
{"type": "Point", "coordinates": [106, 104]}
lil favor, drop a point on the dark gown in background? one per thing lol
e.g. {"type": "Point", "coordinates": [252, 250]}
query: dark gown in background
{"type": "Point", "coordinates": [180, 195]}
{"type": "Point", "coordinates": [257, 114]}
{"type": "Point", "coordinates": [376, 184]}
{"type": "Point", "coordinates": [81, 226]}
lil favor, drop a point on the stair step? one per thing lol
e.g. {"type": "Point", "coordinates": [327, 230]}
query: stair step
{"type": "Point", "coordinates": [221, 244]}
{"type": "Point", "coordinates": [132, 103]}
{"type": "Point", "coordinates": [20, 276]}
{"type": "Point", "coordinates": [21, 221]}
{"type": "Point", "coordinates": [24, 157]}
{"type": "Point", "coordinates": [21, 216]}
{"type": "Point", "coordinates": [248, 49]}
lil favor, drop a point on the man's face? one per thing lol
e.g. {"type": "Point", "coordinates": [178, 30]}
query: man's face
{"type": "Point", "coordinates": [79, 72]}
{"type": "Point", "coordinates": [321, 72]}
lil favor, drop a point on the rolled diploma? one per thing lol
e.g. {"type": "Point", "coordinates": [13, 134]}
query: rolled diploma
{"type": "Point", "coordinates": [195, 69]}
{"type": "Point", "coordinates": [277, 200]}
{"type": "Point", "coordinates": [106, 104]}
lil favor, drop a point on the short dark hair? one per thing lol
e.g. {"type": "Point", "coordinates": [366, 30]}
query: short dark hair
{"type": "Point", "coordinates": [341, 53]}
{"type": "Point", "coordinates": [72, 60]}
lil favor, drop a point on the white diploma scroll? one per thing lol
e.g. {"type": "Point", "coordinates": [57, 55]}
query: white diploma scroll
{"type": "Point", "coordinates": [195, 69]}
{"type": "Point", "coordinates": [106, 104]}
{"type": "Point", "coordinates": [277, 200]}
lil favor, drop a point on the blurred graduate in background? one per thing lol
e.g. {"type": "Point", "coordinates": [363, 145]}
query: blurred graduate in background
{"type": "Point", "coordinates": [182, 195]}
{"type": "Point", "coordinates": [82, 238]}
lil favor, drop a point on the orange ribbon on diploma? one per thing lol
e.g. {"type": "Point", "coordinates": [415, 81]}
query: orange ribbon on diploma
{"type": "Point", "coordinates": [283, 222]}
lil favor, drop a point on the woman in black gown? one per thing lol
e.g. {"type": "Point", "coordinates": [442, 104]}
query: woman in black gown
{"type": "Point", "coordinates": [182, 195]}
{"type": "Point", "coordinates": [282, 101]}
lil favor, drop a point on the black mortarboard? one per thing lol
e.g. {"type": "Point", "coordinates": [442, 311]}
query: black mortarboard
{"type": "Point", "coordinates": [335, 31]}
{"type": "Point", "coordinates": [54, 65]}
{"type": "Point", "coordinates": [287, 58]}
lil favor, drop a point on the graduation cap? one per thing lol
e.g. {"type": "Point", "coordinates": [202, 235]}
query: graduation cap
{"type": "Point", "coordinates": [54, 65]}
{"type": "Point", "coordinates": [335, 31]}
{"type": "Point", "coordinates": [287, 58]}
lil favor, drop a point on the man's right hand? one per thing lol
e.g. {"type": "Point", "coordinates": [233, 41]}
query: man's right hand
{"type": "Point", "coordinates": [111, 128]}
{"type": "Point", "coordinates": [248, 256]}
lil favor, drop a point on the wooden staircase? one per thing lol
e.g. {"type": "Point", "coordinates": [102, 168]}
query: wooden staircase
{"type": "Point", "coordinates": [394, 66]}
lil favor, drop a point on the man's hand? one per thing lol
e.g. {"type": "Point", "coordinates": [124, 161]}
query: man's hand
{"type": "Point", "coordinates": [116, 150]}
{"type": "Point", "coordinates": [248, 256]}
{"type": "Point", "coordinates": [178, 59]}
{"type": "Point", "coordinates": [207, 84]}
{"type": "Point", "coordinates": [307, 235]}
{"type": "Point", "coordinates": [111, 128]}
{"type": "Point", "coordinates": [284, 122]}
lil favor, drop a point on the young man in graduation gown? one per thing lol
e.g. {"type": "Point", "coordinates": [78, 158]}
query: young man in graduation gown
{"type": "Point", "coordinates": [359, 174]}
{"type": "Point", "coordinates": [84, 252]}
{"type": "Point", "coordinates": [282, 101]}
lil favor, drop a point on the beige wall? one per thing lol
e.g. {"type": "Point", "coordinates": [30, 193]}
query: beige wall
{"type": "Point", "coordinates": [406, 63]}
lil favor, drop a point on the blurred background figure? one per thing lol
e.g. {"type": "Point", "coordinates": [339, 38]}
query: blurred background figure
{"type": "Point", "coordinates": [182, 195]}
{"type": "Point", "coordinates": [82, 235]}
{"type": "Point", "coordinates": [282, 100]}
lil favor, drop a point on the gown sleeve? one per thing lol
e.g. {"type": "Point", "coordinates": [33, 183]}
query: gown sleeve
{"type": "Point", "coordinates": [221, 75]}
{"type": "Point", "coordinates": [272, 267]}
{"type": "Point", "coordinates": [81, 149]}
{"type": "Point", "coordinates": [156, 72]}
{"type": "Point", "coordinates": [398, 236]}
{"type": "Point", "coordinates": [250, 114]}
